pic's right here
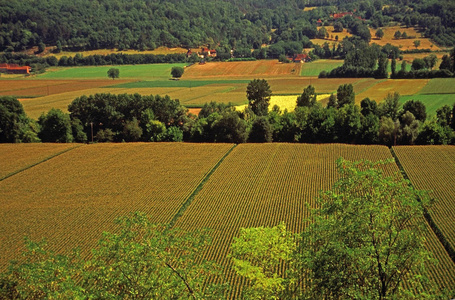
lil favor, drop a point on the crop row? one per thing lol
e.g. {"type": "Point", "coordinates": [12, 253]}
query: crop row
{"type": "Point", "coordinates": [261, 185]}
{"type": "Point", "coordinates": [16, 157]}
{"type": "Point", "coordinates": [432, 168]}
{"type": "Point", "coordinates": [71, 199]}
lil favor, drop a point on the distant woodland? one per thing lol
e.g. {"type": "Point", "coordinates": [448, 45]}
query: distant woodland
{"type": "Point", "coordinates": [229, 24]}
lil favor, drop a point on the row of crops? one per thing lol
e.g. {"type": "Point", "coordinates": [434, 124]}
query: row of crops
{"type": "Point", "coordinates": [70, 197]}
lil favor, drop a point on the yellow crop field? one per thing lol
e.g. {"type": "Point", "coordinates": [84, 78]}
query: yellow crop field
{"type": "Point", "coordinates": [242, 69]}
{"type": "Point", "coordinates": [276, 184]}
{"type": "Point", "coordinates": [72, 198]}
{"type": "Point", "coordinates": [16, 157]}
{"type": "Point", "coordinates": [286, 102]}
{"type": "Point", "coordinates": [402, 86]}
{"type": "Point", "coordinates": [432, 168]}
{"type": "Point", "coordinates": [403, 44]}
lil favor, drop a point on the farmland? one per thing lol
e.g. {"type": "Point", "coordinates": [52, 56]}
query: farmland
{"type": "Point", "coordinates": [276, 185]}
{"type": "Point", "coordinates": [214, 81]}
{"type": "Point", "coordinates": [18, 157]}
{"type": "Point", "coordinates": [383, 87]}
{"type": "Point", "coordinates": [100, 72]}
{"type": "Point", "coordinates": [259, 68]}
{"type": "Point", "coordinates": [71, 198]}
{"type": "Point", "coordinates": [432, 168]}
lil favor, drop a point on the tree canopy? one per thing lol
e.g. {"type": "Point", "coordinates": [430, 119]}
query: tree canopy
{"type": "Point", "coordinates": [365, 238]}
{"type": "Point", "coordinates": [258, 93]}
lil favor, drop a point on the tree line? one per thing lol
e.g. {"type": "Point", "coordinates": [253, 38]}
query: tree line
{"type": "Point", "coordinates": [235, 24]}
{"type": "Point", "coordinates": [365, 60]}
{"type": "Point", "coordinates": [363, 239]}
{"type": "Point", "coordinates": [132, 118]}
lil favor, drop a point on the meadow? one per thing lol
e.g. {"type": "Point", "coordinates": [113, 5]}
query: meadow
{"type": "Point", "coordinates": [73, 196]}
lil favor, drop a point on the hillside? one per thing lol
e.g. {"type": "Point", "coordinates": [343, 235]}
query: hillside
{"type": "Point", "coordinates": [141, 24]}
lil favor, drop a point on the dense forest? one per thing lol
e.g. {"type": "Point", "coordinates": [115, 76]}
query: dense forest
{"type": "Point", "coordinates": [146, 24]}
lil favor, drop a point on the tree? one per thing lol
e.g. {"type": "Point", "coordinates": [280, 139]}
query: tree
{"type": "Point", "coordinates": [417, 108]}
{"type": "Point", "coordinates": [177, 72]}
{"type": "Point", "coordinates": [55, 127]}
{"type": "Point", "coordinates": [418, 64]}
{"type": "Point", "coordinates": [430, 61]}
{"type": "Point", "coordinates": [381, 71]}
{"type": "Point", "coordinates": [338, 27]}
{"type": "Point", "coordinates": [308, 97]}
{"type": "Point", "coordinates": [416, 43]}
{"type": "Point", "coordinates": [261, 131]}
{"type": "Point", "coordinates": [368, 106]}
{"type": "Point", "coordinates": [389, 106]}
{"type": "Point", "coordinates": [393, 66]}
{"type": "Point", "coordinates": [332, 101]}
{"type": "Point", "coordinates": [397, 35]}
{"type": "Point", "coordinates": [113, 73]}
{"type": "Point", "coordinates": [15, 126]}
{"type": "Point", "coordinates": [379, 33]}
{"type": "Point", "coordinates": [258, 93]}
{"type": "Point", "coordinates": [365, 238]}
{"type": "Point", "coordinates": [345, 94]}
{"type": "Point", "coordinates": [257, 255]}
{"type": "Point", "coordinates": [132, 132]}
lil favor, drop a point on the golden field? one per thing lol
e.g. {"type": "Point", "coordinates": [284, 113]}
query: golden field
{"type": "Point", "coordinates": [75, 196]}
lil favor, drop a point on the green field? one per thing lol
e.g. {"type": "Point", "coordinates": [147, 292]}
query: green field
{"type": "Point", "coordinates": [432, 102]}
{"type": "Point", "coordinates": [439, 86]}
{"type": "Point", "coordinates": [174, 83]}
{"type": "Point", "coordinates": [152, 71]}
{"type": "Point", "coordinates": [314, 68]}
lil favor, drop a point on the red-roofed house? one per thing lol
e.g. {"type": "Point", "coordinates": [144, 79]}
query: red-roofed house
{"type": "Point", "coordinates": [208, 52]}
{"type": "Point", "coordinates": [14, 69]}
{"type": "Point", "coordinates": [301, 58]}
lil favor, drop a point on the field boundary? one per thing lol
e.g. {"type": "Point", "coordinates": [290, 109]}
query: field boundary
{"type": "Point", "coordinates": [39, 162]}
{"type": "Point", "coordinates": [442, 239]}
{"type": "Point", "coordinates": [193, 195]}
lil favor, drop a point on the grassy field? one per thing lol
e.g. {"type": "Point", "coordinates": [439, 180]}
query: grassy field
{"type": "Point", "coordinates": [432, 168]}
{"type": "Point", "coordinates": [153, 71]}
{"type": "Point", "coordinates": [432, 102]}
{"type": "Point", "coordinates": [383, 87]}
{"type": "Point", "coordinates": [314, 68]}
{"type": "Point", "coordinates": [439, 86]}
{"type": "Point", "coordinates": [72, 198]}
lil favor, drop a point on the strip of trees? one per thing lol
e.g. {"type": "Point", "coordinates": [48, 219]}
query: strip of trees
{"type": "Point", "coordinates": [130, 118]}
